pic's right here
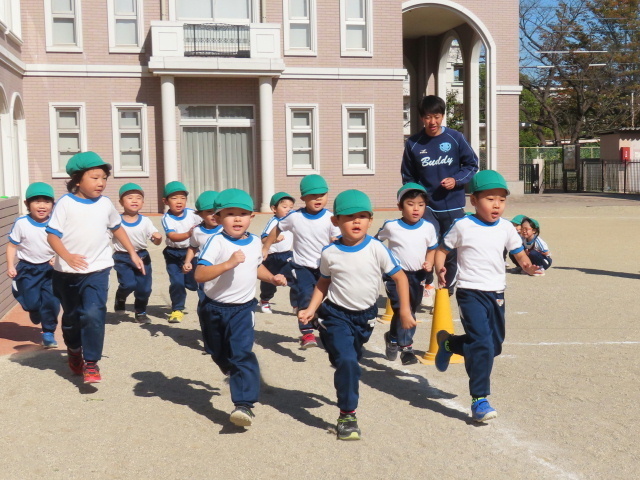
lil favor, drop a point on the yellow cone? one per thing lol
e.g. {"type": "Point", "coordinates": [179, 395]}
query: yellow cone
{"type": "Point", "coordinates": [388, 313]}
{"type": "Point", "coordinates": [442, 320]}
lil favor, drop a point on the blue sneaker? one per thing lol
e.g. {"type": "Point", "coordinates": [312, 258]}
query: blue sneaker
{"type": "Point", "coordinates": [481, 410]}
{"type": "Point", "coordinates": [443, 356]}
{"type": "Point", "coordinates": [48, 340]}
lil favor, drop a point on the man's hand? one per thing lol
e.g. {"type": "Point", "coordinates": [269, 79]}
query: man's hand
{"type": "Point", "coordinates": [449, 183]}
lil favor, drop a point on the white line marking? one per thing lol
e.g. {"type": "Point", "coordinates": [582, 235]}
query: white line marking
{"type": "Point", "coordinates": [554, 344]}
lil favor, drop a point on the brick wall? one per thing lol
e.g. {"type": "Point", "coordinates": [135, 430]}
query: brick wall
{"type": "Point", "coordinates": [8, 214]}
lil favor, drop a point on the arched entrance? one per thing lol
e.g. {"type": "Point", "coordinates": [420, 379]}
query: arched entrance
{"type": "Point", "coordinates": [5, 159]}
{"type": "Point", "coordinates": [18, 147]}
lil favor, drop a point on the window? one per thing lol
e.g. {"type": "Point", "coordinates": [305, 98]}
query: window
{"type": "Point", "coordinates": [10, 18]}
{"type": "Point", "coordinates": [232, 11]}
{"type": "Point", "coordinates": [63, 25]}
{"type": "Point", "coordinates": [68, 134]}
{"type": "Point", "coordinates": [130, 152]}
{"type": "Point", "coordinates": [125, 26]}
{"type": "Point", "coordinates": [300, 27]}
{"type": "Point", "coordinates": [357, 140]}
{"type": "Point", "coordinates": [356, 38]}
{"type": "Point", "coordinates": [302, 139]}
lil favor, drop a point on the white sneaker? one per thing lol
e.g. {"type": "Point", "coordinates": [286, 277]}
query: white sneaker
{"type": "Point", "coordinates": [265, 307]}
{"type": "Point", "coordinates": [428, 296]}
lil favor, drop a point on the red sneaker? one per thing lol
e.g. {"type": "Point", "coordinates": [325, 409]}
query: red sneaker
{"type": "Point", "coordinates": [92, 373]}
{"type": "Point", "coordinates": [308, 340]}
{"type": "Point", "coordinates": [76, 363]}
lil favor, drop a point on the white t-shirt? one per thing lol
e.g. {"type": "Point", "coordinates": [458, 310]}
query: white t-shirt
{"type": "Point", "coordinates": [237, 285]}
{"type": "Point", "coordinates": [31, 239]}
{"type": "Point", "coordinates": [356, 272]}
{"type": "Point", "coordinates": [537, 244]}
{"type": "Point", "coordinates": [139, 233]}
{"type": "Point", "coordinates": [311, 233]}
{"type": "Point", "coordinates": [480, 248]}
{"type": "Point", "coordinates": [201, 234]}
{"type": "Point", "coordinates": [409, 243]}
{"type": "Point", "coordinates": [181, 224]}
{"type": "Point", "coordinates": [283, 246]}
{"type": "Point", "coordinates": [83, 225]}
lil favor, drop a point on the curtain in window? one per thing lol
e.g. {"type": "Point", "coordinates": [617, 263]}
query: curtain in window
{"type": "Point", "coordinates": [199, 159]}
{"type": "Point", "coordinates": [236, 158]}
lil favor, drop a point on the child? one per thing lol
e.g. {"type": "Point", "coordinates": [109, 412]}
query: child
{"type": "Point", "coordinates": [139, 229]}
{"type": "Point", "coordinates": [312, 230]}
{"type": "Point", "coordinates": [534, 246]}
{"type": "Point", "coordinates": [178, 223]}
{"type": "Point", "coordinates": [280, 252]}
{"type": "Point", "coordinates": [517, 222]}
{"type": "Point", "coordinates": [78, 234]}
{"type": "Point", "coordinates": [413, 241]}
{"type": "Point", "coordinates": [227, 266]}
{"type": "Point", "coordinates": [480, 240]}
{"type": "Point", "coordinates": [351, 268]}
{"type": "Point", "coordinates": [32, 276]}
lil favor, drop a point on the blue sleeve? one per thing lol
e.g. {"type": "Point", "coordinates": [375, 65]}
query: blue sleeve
{"type": "Point", "coordinates": [408, 167]}
{"type": "Point", "coordinates": [468, 162]}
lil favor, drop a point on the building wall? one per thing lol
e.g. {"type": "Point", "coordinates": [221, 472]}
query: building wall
{"type": "Point", "coordinates": [8, 214]}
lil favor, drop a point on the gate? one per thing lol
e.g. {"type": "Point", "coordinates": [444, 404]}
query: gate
{"type": "Point", "coordinates": [530, 175]}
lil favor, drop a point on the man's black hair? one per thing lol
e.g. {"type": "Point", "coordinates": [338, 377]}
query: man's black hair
{"type": "Point", "coordinates": [431, 105]}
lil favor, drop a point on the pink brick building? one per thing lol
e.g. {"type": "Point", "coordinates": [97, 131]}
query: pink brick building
{"type": "Point", "coordinates": [251, 94]}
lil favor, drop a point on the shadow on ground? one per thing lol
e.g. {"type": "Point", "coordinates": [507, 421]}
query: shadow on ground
{"type": "Point", "coordinates": [20, 333]}
{"type": "Point", "coordinates": [595, 271]}
{"type": "Point", "coordinates": [275, 342]}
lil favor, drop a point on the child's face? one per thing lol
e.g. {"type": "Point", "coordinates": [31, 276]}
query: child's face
{"type": "Point", "coordinates": [92, 183]}
{"type": "Point", "coordinates": [432, 123]}
{"type": "Point", "coordinates": [235, 221]}
{"type": "Point", "coordinates": [353, 227]}
{"type": "Point", "coordinates": [132, 203]}
{"type": "Point", "coordinates": [40, 208]}
{"type": "Point", "coordinates": [283, 208]}
{"type": "Point", "coordinates": [518, 227]}
{"type": "Point", "coordinates": [489, 204]}
{"type": "Point", "coordinates": [527, 230]}
{"type": "Point", "coordinates": [176, 202]}
{"type": "Point", "coordinates": [412, 209]}
{"type": "Point", "coordinates": [315, 202]}
{"type": "Point", "coordinates": [208, 218]}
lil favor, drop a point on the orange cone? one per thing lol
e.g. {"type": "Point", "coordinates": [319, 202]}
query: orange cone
{"type": "Point", "coordinates": [388, 313]}
{"type": "Point", "coordinates": [442, 320]}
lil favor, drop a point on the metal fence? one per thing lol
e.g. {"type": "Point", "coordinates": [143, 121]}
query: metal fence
{"type": "Point", "coordinates": [551, 154]}
{"type": "Point", "coordinates": [217, 40]}
{"type": "Point", "coordinates": [608, 176]}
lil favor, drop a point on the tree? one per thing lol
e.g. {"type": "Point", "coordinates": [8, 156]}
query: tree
{"type": "Point", "coordinates": [455, 111]}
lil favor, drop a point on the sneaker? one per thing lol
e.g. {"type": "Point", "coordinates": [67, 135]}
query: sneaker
{"type": "Point", "coordinates": [91, 373]}
{"type": "Point", "coordinates": [428, 295]}
{"type": "Point", "coordinates": [390, 347]}
{"type": "Point", "coordinates": [308, 340]}
{"type": "Point", "coordinates": [76, 363]}
{"type": "Point", "coordinates": [481, 411]}
{"type": "Point", "coordinates": [347, 427]}
{"type": "Point", "coordinates": [176, 316]}
{"type": "Point", "coordinates": [443, 356]}
{"type": "Point", "coordinates": [118, 305]}
{"type": "Point", "coordinates": [142, 318]}
{"type": "Point", "coordinates": [48, 340]}
{"type": "Point", "coordinates": [265, 307]}
{"type": "Point", "coordinates": [408, 356]}
{"type": "Point", "coordinates": [242, 416]}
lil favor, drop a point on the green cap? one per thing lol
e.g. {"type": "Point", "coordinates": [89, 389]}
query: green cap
{"type": "Point", "coordinates": [533, 222]}
{"type": "Point", "coordinates": [313, 185]}
{"type": "Point", "coordinates": [130, 187]}
{"type": "Point", "coordinates": [518, 219]}
{"type": "Point", "coordinates": [279, 196]}
{"type": "Point", "coordinates": [487, 180]}
{"type": "Point", "coordinates": [173, 187]}
{"type": "Point", "coordinates": [206, 200]}
{"type": "Point", "coordinates": [233, 198]}
{"type": "Point", "coordinates": [409, 187]}
{"type": "Point", "coordinates": [350, 202]}
{"type": "Point", "coordinates": [39, 189]}
{"type": "Point", "coordinates": [84, 161]}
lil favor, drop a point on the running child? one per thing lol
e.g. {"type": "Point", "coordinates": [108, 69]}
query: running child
{"type": "Point", "coordinates": [228, 266]}
{"type": "Point", "coordinates": [78, 233]}
{"type": "Point", "coordinates": [351, 268]}
{"type": "Point", "coordinates": [480, 240]}
{"type": "Point", "coordinates": [32, 275]}
{"type": "Point", "coordinates": [312, 230]}
{"type": "Point", "coordinates": [534, 246]}
{"type": "Point", "coordinates": [178, 223]}
{"type": "Point", "coordinates": [413, 241]}
{"type": "Point", "coordinates": [280, 252]}
{"type": "Point", "coordinates": [140, 230]}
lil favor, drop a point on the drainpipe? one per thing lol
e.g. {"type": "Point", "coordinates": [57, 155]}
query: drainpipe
{"type": "Point", "coordinates": [263, 11]}
{"type": "Point", "coordinates": [163, 10]}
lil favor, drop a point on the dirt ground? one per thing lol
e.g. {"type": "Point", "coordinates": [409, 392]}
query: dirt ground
{"type": "Point", "coordinates": [565, 387]}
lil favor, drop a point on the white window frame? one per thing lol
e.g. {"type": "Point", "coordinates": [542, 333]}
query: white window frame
{"type": "Point", "coordinates": [255, 15]}
{"type": "Point", "coordinates": [118, 170]}
{"type": "Point", "coordinates": [313, 36]}
{"type": "Point", "coordinates": [112, 17]}
{"type": "Point", "coordinates": [315, 138]}
{"type": "Point", "coordinates": [10, 20]}
{"type": "Point", "coordinates": [48, 29]}
{"type": "Point", "coordinates": [368, 23]}
{"type": "Point", "coordinates": [368, 169]}
{"type": "Point", "coordinates": [53, 133]}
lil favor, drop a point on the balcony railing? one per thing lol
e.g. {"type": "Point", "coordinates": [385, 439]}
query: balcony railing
{"type": "Point", "coordinates": [217, 40]}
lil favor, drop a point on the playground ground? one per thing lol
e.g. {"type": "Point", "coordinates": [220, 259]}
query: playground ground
{"type": "Point", "coordinates": [565, 387]}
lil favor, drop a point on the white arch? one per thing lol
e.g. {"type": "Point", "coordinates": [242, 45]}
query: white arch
{"type": "Point", "coordinates": [491, 56]}
{"type": "Point", "coordinates": [445, 47]}
{"type": "Point", "coordinates": [18, 145]}
{"type": "Point", "coordinates": [5, 166]}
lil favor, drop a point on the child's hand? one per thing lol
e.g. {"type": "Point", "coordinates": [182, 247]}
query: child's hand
{"type": "Point", "coordinates": [279, 280]}
{"type": "Point", "coordinates": [77, 261]}
{"type": "Point", "coordinates": [187, 267]}
{"type": "Point", "coordinates": [137, 261]}
{"type": "Point", "coordinates": [427, 266]}
{"type": "Point", "coordinates": [305, 316]}
{"type": "Point", "coordinates": [12, 272]}
{"type": "Point", "coordinates": [442, 282]}
{"type": "Point", "coordinates": [236, 258]}
{"type": "Point", "coordinates": [265, 254]}
{"type": "Point", "coordinates": [156, 238]}
{"type": "Point", "coordinates": [532, 269]}
{"type": "Point", "coordinates": [407, 321]}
